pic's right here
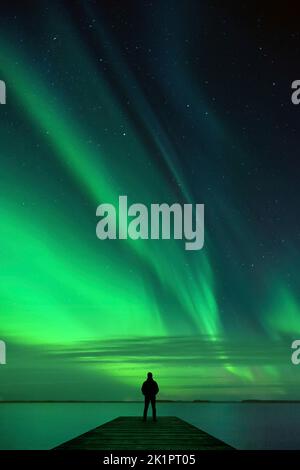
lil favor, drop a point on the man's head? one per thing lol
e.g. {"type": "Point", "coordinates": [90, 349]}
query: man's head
{"type": "Point", "coordinates": [149, 375]}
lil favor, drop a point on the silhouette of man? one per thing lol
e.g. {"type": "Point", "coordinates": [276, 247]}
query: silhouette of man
{"type": "Point", "coordinates": [150, 390]}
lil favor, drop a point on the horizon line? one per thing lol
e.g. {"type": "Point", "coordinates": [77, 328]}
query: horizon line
{"type": "Point", "coordinates": [251, 400]}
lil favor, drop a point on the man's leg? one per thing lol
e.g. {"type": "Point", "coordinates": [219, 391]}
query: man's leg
{"type": "Point", "coordinates": [147, 400]}
{"type": "Point", "coordinates": [153, 408]}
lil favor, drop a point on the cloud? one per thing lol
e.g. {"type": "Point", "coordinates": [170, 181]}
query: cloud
{"type": "Point", "coordinates": [177, 350]}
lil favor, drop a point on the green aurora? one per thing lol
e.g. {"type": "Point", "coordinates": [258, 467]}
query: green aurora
{"type": "Point", "coordinates": [86, 319]}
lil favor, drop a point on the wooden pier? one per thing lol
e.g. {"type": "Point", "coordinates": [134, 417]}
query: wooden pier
{"type": "Point", "coordinates": [132, 433]}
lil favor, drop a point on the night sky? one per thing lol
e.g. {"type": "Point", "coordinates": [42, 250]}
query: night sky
{"type": "Point", "coordinates": [162, 101]}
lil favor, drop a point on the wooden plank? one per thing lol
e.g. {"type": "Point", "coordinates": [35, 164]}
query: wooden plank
{"type": "Point", "coordinates": [131, 433]}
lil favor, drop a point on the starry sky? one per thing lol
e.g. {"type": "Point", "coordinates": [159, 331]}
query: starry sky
{"type": "Point", "coordinates": [173, 101]}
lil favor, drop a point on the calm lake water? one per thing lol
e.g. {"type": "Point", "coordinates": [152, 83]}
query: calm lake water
{"type": "Point", "coordinates": [244, 426]}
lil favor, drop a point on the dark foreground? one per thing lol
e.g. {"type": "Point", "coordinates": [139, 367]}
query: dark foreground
{"type": "Point", "coordinates": [131, 433]}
